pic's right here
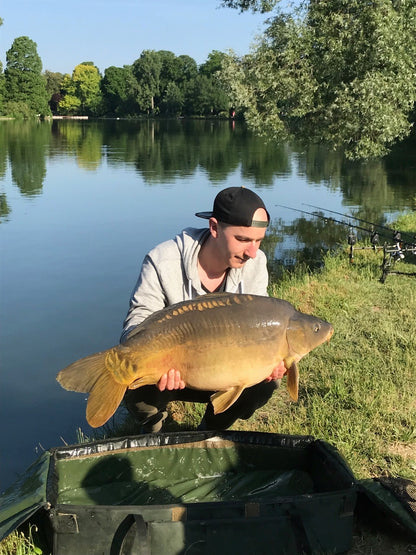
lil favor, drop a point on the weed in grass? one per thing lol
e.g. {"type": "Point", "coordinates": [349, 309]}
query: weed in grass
{"type": "Point", "coordinates": [17, 543]}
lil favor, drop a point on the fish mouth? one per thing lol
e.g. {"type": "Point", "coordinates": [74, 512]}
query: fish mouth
{"type": "Point", "coordinates": [330, 334]}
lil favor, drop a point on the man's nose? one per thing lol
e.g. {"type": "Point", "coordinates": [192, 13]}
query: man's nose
{"type": "Point", "coordinates": [252, 249]}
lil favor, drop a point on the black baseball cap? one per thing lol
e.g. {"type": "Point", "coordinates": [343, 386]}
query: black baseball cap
{"type": "Point", "coordinates": [236, 206]}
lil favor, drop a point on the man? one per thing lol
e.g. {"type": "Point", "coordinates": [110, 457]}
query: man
{"type": "Point", "coordinates": [223, 258]}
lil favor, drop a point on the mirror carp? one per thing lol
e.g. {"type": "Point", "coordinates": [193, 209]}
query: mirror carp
{"type": "Point", "coordinates": [219, 342]}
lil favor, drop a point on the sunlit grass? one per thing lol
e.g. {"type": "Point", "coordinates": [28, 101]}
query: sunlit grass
{"type": "Point", "coordinates": [17, 543]}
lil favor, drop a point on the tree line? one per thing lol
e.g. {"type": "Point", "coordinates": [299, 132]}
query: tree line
{"type": "Point", "coordinates": [157, 83]}
{"type": "Point", "coordinates": [339, 72]}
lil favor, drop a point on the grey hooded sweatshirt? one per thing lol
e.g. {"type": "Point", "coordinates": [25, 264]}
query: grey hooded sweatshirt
{"type": "Point", "coordinates": [169, 275]}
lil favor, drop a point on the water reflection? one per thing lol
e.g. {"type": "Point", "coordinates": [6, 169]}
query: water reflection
{"type": "Point", "coordinates": [26, 146]}
{"type": "Point", "coordinates": [162, 151]}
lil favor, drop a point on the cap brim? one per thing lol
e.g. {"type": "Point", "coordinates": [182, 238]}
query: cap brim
{"type": "Point", "coordinates": [205, 215]}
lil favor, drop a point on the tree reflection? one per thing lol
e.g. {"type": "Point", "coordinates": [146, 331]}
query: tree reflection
{"type": "Point", "coordinates": [373, 185]}
{"type": "Point", "coordinates": [4, 208]}
{"type": "Point", "coordinates": [306, 241]}
{"type": "Point", "coordinates": [27, 147]}
{"type": "Point", "coordinates": [164, 150]}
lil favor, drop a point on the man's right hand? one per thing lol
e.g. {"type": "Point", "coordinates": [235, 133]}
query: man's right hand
{"type": "Point", "coordinates": [170, 381]}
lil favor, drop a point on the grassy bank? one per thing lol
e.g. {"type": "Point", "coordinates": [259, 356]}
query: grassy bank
{"type": "Point", "coordinates": [357, 391]}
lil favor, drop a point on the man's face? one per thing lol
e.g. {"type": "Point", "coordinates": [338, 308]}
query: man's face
{"type": "Point", "coordinates": [237, 244]}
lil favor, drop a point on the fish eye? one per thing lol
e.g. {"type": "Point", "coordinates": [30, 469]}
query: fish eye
{"type": "Point", "coordinates": [317, 328]}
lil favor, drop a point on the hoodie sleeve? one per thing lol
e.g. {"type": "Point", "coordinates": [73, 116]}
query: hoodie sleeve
{"type": "Point", "coordinates": [148, 296]}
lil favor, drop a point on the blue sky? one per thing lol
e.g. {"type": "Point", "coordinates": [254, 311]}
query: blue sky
{"type": "Point", "coordinates": [115, 32]}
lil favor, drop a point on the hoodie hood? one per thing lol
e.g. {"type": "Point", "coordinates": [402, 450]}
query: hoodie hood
{"type": "Point", "coordinates": [189, 243]}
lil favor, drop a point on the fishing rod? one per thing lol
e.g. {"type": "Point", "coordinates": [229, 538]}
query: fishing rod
{"type": "Point", "coordinates": [392, 253]}
{"type": "Point", "coordinates": [327, 218]}
{"type": "Point", "coordinates": [352, 238]}
{"type": "Point", "coordinates": [397, 235]}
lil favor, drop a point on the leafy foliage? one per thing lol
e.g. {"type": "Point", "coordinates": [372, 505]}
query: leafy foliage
{"type": "Point", "coordinates": [341, 72]}
{"type": "Point", "coordinates": [120, 89]}
{"type": "Point", "coordinates": [262, 6]}
{"type": "Point", "coordinates": [23, 76]}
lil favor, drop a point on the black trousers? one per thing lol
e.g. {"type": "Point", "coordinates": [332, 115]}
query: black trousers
{"type": "Point", "coordinates": [148, 405]}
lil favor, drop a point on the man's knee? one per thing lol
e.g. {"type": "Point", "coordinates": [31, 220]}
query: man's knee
{"type": "Point", "coordinates": [148, 408]}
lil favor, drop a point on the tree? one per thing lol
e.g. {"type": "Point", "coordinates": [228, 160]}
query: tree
{"type": "Point", "coordinates": [82, 92]}
{"type": "Point", "coordinates": [23, 76]}
{"type": "Point", "coordinates": [120, 90]}
{"type": "Point", "coordinates": [188, 68]}
{"type": "Point", "coordinates": [53, 82]}
{"type": "Point", "coordinates": [366, 51]}
{"type": "Point", "coordinates": [343, 72]}
{"type": "Point", "coordinates": [70, 103]}
{"type": "Point", "coordinates": [53, 86]}
{"type": "Point", "coordinates": [147, 69]}
{"type": "Point", "coordinates": [173, 100]}
{"type": "Point", "coordinates": [204, 96]}
{"type": "Point", "coordinates": [2, 87]}
{"type": "Point", "coordinates": [87, 79]}
{"type": "Point", "coordinates": [2, 81]}
{"type": "Point", "coordinates": [213, 63]}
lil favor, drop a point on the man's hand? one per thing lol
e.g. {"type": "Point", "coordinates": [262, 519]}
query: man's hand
{"type": "Point", "coordinates": [278, 372]}
{"type": "Point", "coordinates": [171, 380]}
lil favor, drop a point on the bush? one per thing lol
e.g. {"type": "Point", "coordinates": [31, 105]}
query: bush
{"type": "Point", "coordinates": [17, 109]}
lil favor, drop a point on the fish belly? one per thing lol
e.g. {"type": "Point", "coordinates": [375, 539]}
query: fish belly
{"type": "Point", "coordinates": [216, 343]}
{"type": "Point", "coordinates": [215, 363]}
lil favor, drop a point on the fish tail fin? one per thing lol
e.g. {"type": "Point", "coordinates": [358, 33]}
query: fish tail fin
{"type": "Point", "coordinates": [90, 375]}
{"type": "Point", "coordinates": [83, 374]}
{"type": "Point", "coordinates": [104, 399]}
{"type": "Point", "coordinates": [293, 381]}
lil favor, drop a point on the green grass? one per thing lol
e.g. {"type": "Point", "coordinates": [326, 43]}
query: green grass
{"type": "Point", "coordinates": [17, 543]}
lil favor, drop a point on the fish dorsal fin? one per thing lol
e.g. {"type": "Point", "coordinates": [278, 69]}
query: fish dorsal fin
{"type": "Point", "coordinates": [104, 400]}
{"type": "Point", "coordinates": [222, 400]}
{"type": "Point", "coordinates": [293, 380]}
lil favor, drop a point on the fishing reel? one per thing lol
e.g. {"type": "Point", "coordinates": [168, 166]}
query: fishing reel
{"type": "Point", "coordinates": [352, 239]}
{"type": "Point", "coordinates": [374, 239]}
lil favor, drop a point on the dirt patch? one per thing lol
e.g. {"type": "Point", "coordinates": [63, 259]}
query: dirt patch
{"type": "Point", "coordinates": [405, 450]}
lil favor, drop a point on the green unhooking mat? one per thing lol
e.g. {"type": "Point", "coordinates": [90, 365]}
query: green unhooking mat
{"type": "Point", "coordinates": [194, 492]}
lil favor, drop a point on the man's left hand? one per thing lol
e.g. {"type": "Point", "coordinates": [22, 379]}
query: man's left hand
{"type": "Point", "coordinates": [170, 381]}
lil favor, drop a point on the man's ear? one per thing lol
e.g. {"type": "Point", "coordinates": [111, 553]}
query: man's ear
{"type": "Point", "coordinates": [213, 227]}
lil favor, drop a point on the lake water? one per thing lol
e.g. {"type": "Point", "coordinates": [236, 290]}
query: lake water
{"type": "Point", "coordinates": [80, 205]}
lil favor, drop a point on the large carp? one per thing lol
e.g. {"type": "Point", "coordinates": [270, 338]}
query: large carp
{"type": "Point", "coordinates": [219, 342]}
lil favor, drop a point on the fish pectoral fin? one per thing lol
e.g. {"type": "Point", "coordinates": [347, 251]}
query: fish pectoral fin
{"type": "Point", "coordinates": [104, 399]}
{"type": "Point", "coordinates": [293, 381]}
{"type": "Point", "coordinates": [222, 400]}
{"type": "Point", "coordinates": [144, 380]}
